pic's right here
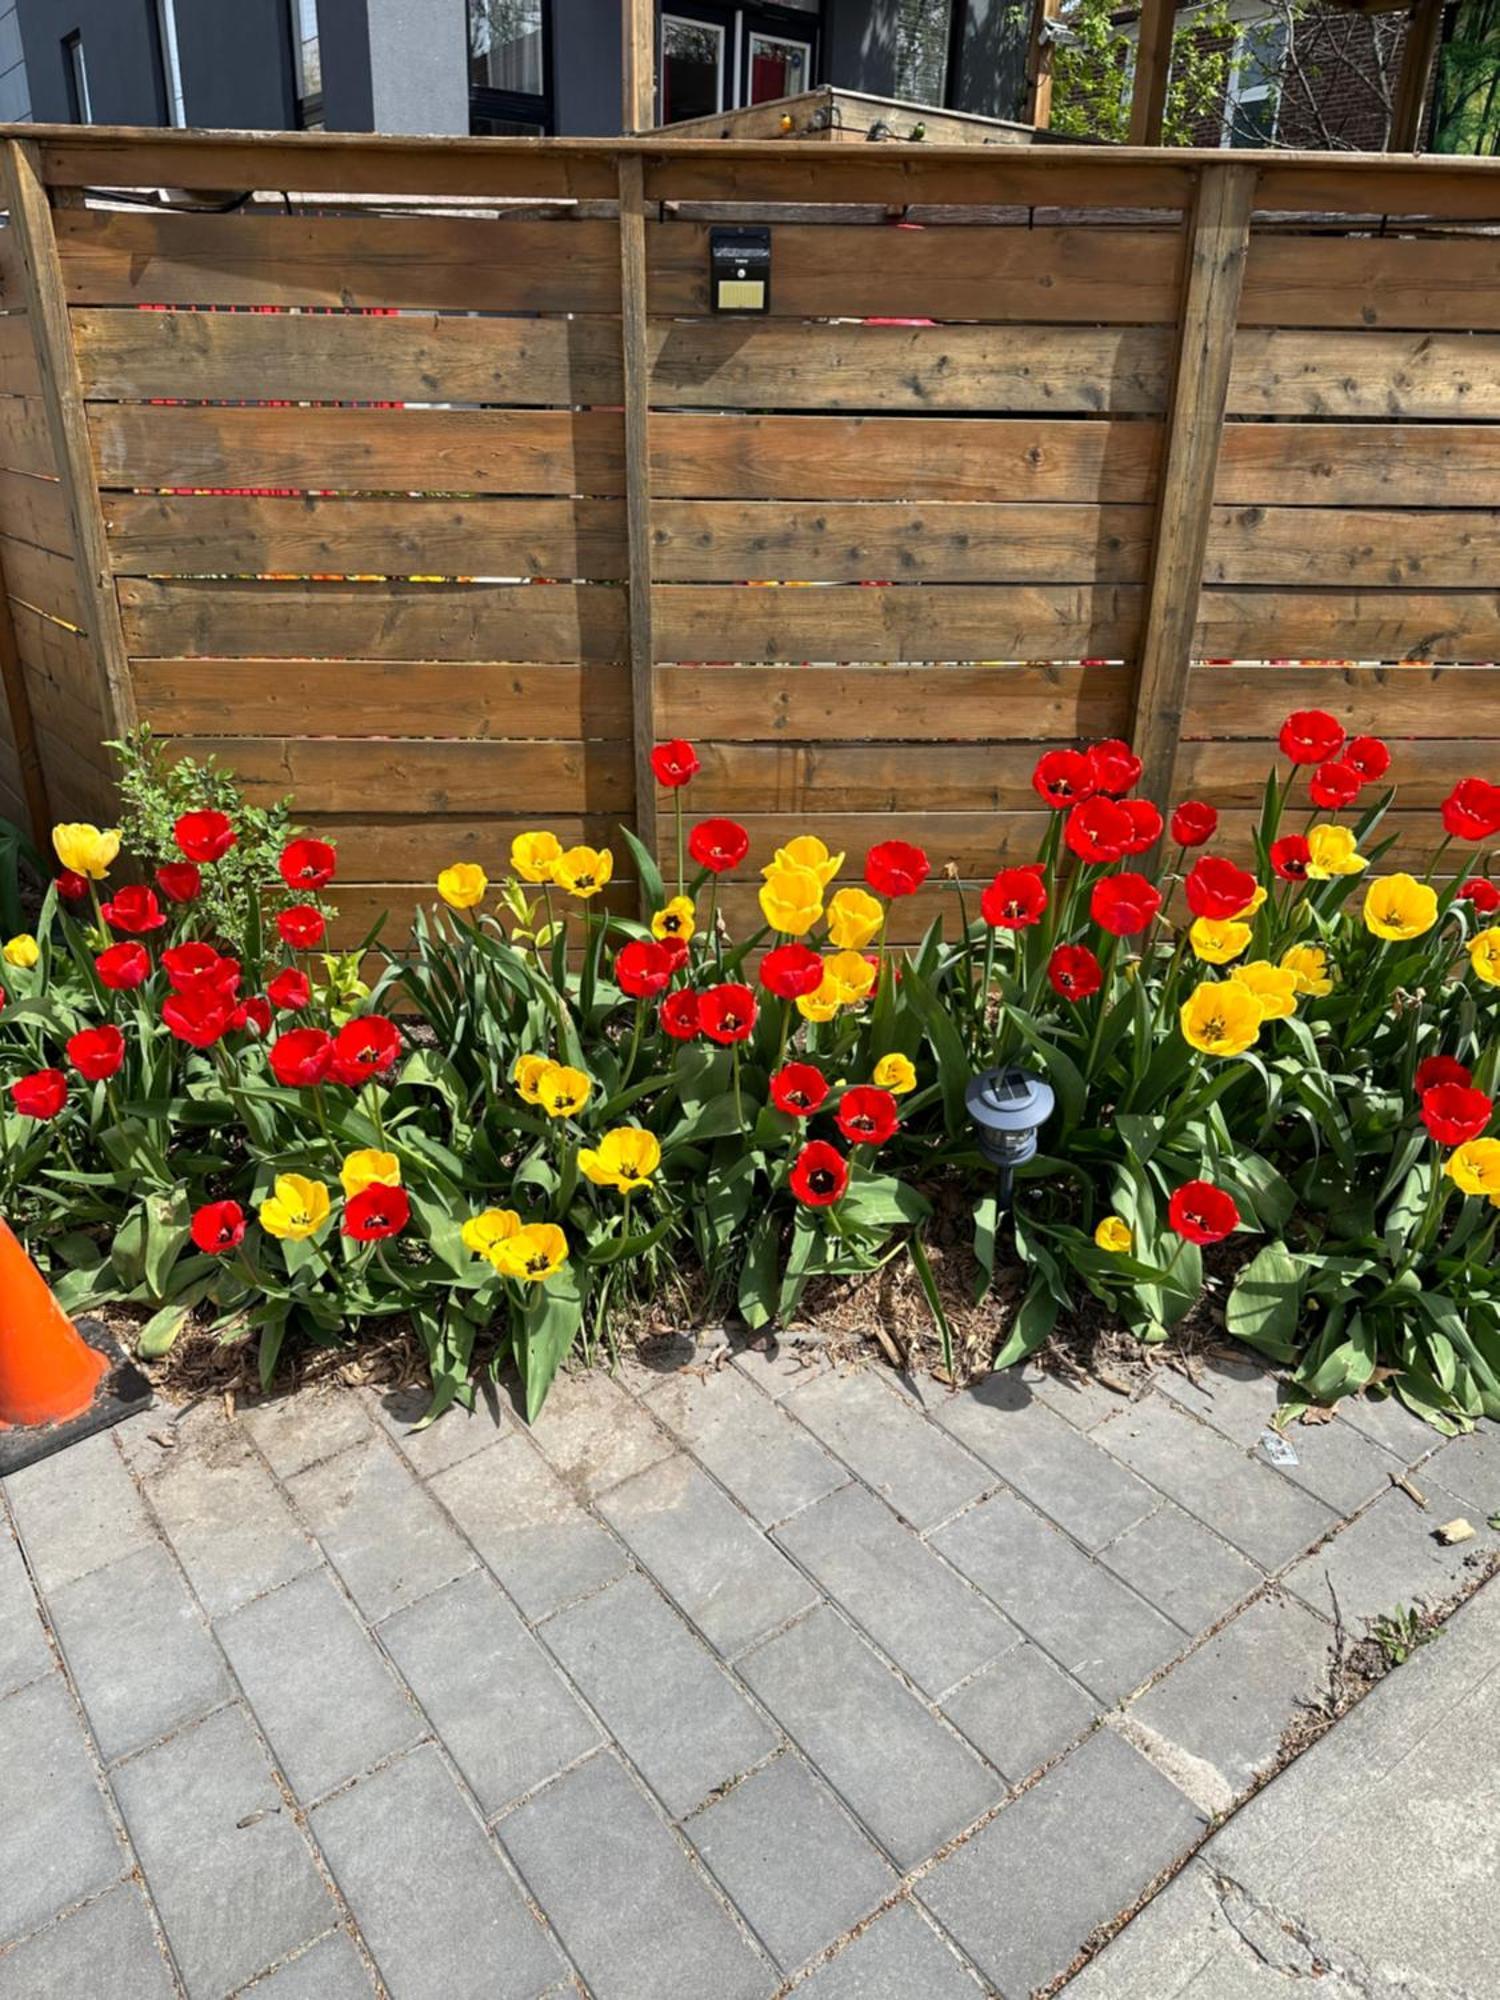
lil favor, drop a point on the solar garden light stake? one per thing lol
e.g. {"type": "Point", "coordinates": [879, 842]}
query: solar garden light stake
{"type": "Point", "coordinates": [1009, 1107]}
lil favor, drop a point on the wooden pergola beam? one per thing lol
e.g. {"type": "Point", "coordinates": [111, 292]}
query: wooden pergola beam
{"type": "Point", "coordinates": [1423, 31]}
{"type": "Point", "coordinates": [1039, 65]}
{"type": "Point", "coordinates": [1153, 63]}
{"type": "Point", "coordinates": [638, 65]}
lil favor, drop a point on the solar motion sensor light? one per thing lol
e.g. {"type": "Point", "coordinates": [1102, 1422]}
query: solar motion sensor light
{"type": "Point", "coordinates": [739, 270]}
{"type": "Point", "coordinates": [1009, 1107]}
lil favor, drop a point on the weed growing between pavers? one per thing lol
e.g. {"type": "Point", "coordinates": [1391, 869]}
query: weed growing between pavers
{"type": "Point", "coordinates": [1268, 1088]}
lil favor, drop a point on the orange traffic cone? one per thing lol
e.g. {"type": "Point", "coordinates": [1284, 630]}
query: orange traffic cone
{"type": "Point", "coordinates": [51, 1379]}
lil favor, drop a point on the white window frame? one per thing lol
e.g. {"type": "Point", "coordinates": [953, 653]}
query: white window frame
{"type": "Point", "coordinates": [78, 71]}
{"type": "Point", "coordinates": [752, 35]}
{"type": "Point", "coordinates": [1236, 96]}
{"type": "Point", "coordinates": [714, 28]}
{"type": "Point", "coordinates": [166, 28]}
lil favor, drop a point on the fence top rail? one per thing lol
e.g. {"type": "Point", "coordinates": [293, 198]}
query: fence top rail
{"type": "Point", "coordinates": [763, 169]}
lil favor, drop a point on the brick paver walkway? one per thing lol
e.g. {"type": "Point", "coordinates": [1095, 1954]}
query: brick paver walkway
{"type": "Point", "coordinates": [740, 1674]}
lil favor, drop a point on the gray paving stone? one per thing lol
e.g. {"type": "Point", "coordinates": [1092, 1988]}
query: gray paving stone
{"type": "Point", "coordinates": [776, 1367]}
{"type": "Point", "coordinates": [1182, 1568]}
{"type": "Point", "coordinates": [225, 1516]}
{"type": "Point", "coordinates": [24, 1652]}
{"type": "Point", "coordinates": [77, 1511]}
{"type": "Point", "coordinates": [508, 1718]}
{"type": "Point", "coordinates": [330, 1970]}
{"type": "Point", "coordinates": [1386, 1558]}
{"type": "Point", "coordinates": [673, 1710]}
{"type": "Point", "coordinates": [1083, 1403]}
{"type": "Point", "coordinates": [1039, 1453]}
{"type": "Point", "coordinates": [1241, 1498]}
{"type": "Point", "coordinates": [791, 1860]}
{"type": "Point", "coordinates": [927, 1619]}
{"type": "Point", "coordinates": [457, 1434]}
{"type": "Point", "coordinates": [717, 1566]}
{"type": "Point", "coordinates": [912, 1783]}
{"type": "Point", "coordinates": [594, 1435]}
{"type": "Point", "coordinates": [231, 1875]}
{"type": "Point", "coordinates": [770, 1465]}
{"type": "Point", "coordinates": [1237, 1393]}
{"type": "Point", "coordinates": [1065, 1856]}
{"type": "Point", "coordinates": [1470, 1467]}
{"type": "Point", "coordinates": [378, 1527]}
{"type": "Point", "coordinates": [1339, 1465]}
{"type": "Point", "coordinates": [69, 1959]}
{"type": "Point", "coordinates": [1020, 1711]}
{"type": "Point", "coordinates": [883, 1436]}
{"type": "Point", "coordinates": [1387, 1420]}
{"type": "Point", "coordinates": [1102, 1633]}
{"type": "Point", "coordinates": [319, 1688]}
{"type": "Point", "coordinates": [432, 1899]}
{"type": "Point", "coordinates": [530, 1530]}
{"type": "Point", "coordinates": [899, 1957]}
{"type": "Point", "coordinates": [138, 1649]}
{"type": "Point", "coordinates": [296, 1431]}
{"type": "Point", "coordinates": [629, 1908]}
{"type": "Point", "coordinates": [644, 1366]}
{"type": "Point", "coordinates": [56, 1841]}
{"type": "Point", "coordinates": [1230, 1703]}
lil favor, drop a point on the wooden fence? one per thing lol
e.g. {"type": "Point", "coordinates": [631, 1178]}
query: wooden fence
{"type": "Point", "coordinates": [432, 491]}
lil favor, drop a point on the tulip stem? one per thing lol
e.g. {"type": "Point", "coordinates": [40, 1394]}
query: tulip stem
{"type": "Point", "coordinates": [734, 1072]}
{"type": "Point", "coordinates": [681, 851]}
{"type": "Point", "coordinates": [1112, 952]}
{"type": "Point", "coordinates": [375, 1117]}
{"type": "Point", "coordinates": [635, 1042]}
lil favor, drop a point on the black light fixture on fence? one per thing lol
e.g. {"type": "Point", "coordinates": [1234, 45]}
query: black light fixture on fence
{"type": "Point", "coordinates": [1009, 1107]}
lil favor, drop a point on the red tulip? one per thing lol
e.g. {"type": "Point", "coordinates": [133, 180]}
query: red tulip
{"type": "Point", "coordinates": [1369, 756]}
{"type": "Point", "coordinates": [1311, 736]}
{"type": "Point", "coordinates": [364, 1049]}
{"type": "Point", "coordinates": [289, 991]}
{"type": "Point", "coordinates": [1145, 822]}
{"type": "Point", "coordinates": [1063, 777]}
{"type": "Point", "coordinates": [1471, 810]}
{"type": "Point", "coordinates": [123, 967]}
{"type": "Point", "coordinates": [896, 868]}
{"type": "Point", "coordinates": [674, 950]}
{"type": "Point", "coordinates": [194, 965]}
{"type": "Point", "coordinates": [1334, 786]}
{"type": "Point", "coordinates": [674, 763]}
{"type": "Point", "coordinates": [1203, 1213]}
{"type": "Point", "coordinates": [301, 1058]}
{"type": "Point", "coordinates": [307, 864]}
{"type": "Point", "coordinates": [1124, 904]}
{"type": "Point", "coordinates": [204, 836]}
{"type": "Point", "coordinates": [200, 1015]}
{"type": "Point", "coordinates": [642, 968]}
{"type": "Point", "coordinates": [868, 1115]}
{"type": "Point", "coordinates": [727, 1013]}
{"type": "Point", "coordinates": [791, 971]}
{"type": "Point", "coordinates": [253, 1013]}
{"type": "Point", "coordinates": [41, 1095]}
{"type": "Point", "coordinates": [218, 1227]}
{"type": "Point", "coordinates": [798, 1089]}
{"type": "Point", "coordinates": [1115, 766]}
{"type": "Point", "coordinates": [819, 1175]}
{"type": "Point", "coordinates": [1455, 1113]}
{"type": "Point", "coordinates": [1074, 972]}
{"type": "Point", "coordinates": [1481, 894]}
{"type": "Point", "coordinates": [375, 1213]}
{"type": "Point", "coordinates": [133, 908]}
{"type": "Point", "coordinates": [1433, 1070]}
{"type": "Point", "coordinates": [1014, 900]}
{"type": "Point", "coordinates": [179, 881]}
{"type": "Point", "coordinates": [1290, 856]}
{"type": "Point", "coordinates": [1098, 829]}
{"type": "Point", "coordinates": [679, 1015]}
{"type": "Point", "coordinates": [1193, 823]}
{"type": "Point", "coordinates": [70, 886]}
{"type": "Point", "coordinates": [1217, 889]}
{"type": "Point", "coordinates": [301, 926]}
{"type": "Point", "coordinates": [718, 844]}
{"type": "Point", "coordinates": [97, 1053]}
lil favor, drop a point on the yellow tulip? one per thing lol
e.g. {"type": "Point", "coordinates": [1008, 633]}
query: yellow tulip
{"type": "Point", "coordinates": [1399, 906]}
{"type": "Point", "coordinates": [820, 1005]}
{"type": "Point", "coordinates": [561, 1091]}
{"type": "Point", "coordinates": [1113, 1235]}
{"type": "Point", "coordinates": [791, 900]}
{"type": "Point", "coordinates": [463, 885]}
{"type": "Point", "coordinates": [1253, 905]}
{"type": "Point", "coordinates": [1217, 942]}
{"type": "Point", "coordinates": [534, 856]}
{"type": "Point", "coordinates": [298, 1208]}
{"type": "Point", "coordinates": [1484, 956]}
{"type": "Point", "coordinates": [1475, 1166]}
{"type": "Point", "coordinates": [808, 852]}
{"type": "Point", "coordinates": [369, 1168]}
{"type": "Point", "coordinates": [482, 1232]}
{"type": "Point", "coordinates": [850, 975]}
{"type": "Point", "coordinates": [1331, 851]}
{"type": "Point", "coordinates": [1308, 965]}
{"type": "Point", "coordinates": [87, 850]}
{"type": "Point", "coordinates": [895, 1073]}
{"type": "Point", "coordinates": [1221, 1018]}
{"type": "Point", "coordinates": [532, 1254]}
{"type": "Point", "coordinates": [625, 1158]}
{"type": "Point", "coordinates": [22, 951]}
{"type": "Point", "coordinates": [854, 918]}
{"type": "Point", "coordinates": [675, 921]}
{"type": "Point", "coordinates": [1274, 986]}
{"type": "Point", "coordinates": [583, 871]}
{"type": "Point", "coordinates": [526, 1073]}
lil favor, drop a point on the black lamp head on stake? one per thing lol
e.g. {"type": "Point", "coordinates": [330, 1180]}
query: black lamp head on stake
{"type": "Point", "coordinates": [1009, 1107]}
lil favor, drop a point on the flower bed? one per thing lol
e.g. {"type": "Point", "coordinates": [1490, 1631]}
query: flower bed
{"type": "Point", "coordinates": [541, 1113]}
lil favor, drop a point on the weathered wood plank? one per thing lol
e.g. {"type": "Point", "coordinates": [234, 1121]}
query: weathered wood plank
{"type": "Point", "coordinates": [18, 369]}
{"type": "Point", "coordinates": [1363, 625]}
{"type": "Point", "coordinates": [940, 542]}
{"type": "Point", "coordinates": [540, 622]}
{"type": "Point", "coordinates": [927, 622]}
{"type": "Point", "coordinates": [25, 441]}
{"type": "Point", "coordinates": [640, 598]}
{"type": "Point", "coordinates": [33, 510]}
{"type": "Point", "coordinates": [1359, 465]}
{"type": "Point", "coordinates": [1358, 546]}
{"type": "Point", "coordinates": [1424, 770]}
{"type": "Point", "coordinates": [1364, 281]}
{"type": "Point", "coordinates": [128, 355]}
{"type": "Point", "coordinates": [902, 458]}
{"type": "Point", "coordinates": [387, 451]}
{"type": "Point", "coordinates": [234, 535]}
{"type": "Point", "coordinates": [920, 704]}
{"type": "Point", "coordinates": [1395, 377]}
{"type": "Point", "coordinates": [40, 578]}
{"type": "Point", "coordinates": [1396, 701]}
{"type": "Point", "coordinates": [23, 782]}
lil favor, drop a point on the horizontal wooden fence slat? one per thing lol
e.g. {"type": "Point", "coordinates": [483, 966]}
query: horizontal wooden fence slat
{"type": "Point", "coordinates": [1395, 377]}
{"type": "Point", "coordinates": [406, 847]}
{"type": "Point", "coordinates": [61, 683]}
{"type": "Point", "coordinates": [33, 510]}
{"type": "Point", "coordinates": [902, 458]}
{"type": "Point", "coordinates": [1370, 625]}
{"type": "Point", "coordinates": [18, 369]}
{"type": "Point", "coordinates": [1363, 547]}
{"type": "Point", "coordinates": [1393, 702]}
{"type": "Point", "coordinates": [447, 451]}
{"type": "Point", "coordinates": [1359, 465]}
{"type": "Point", "coordinates": [240, 535]}
{"type": "Point", "coordinates": [864, 777]}
{"type": "Point", "coordinates": [1370, 281]}
{"type": "Point", "coordinates": [919, 622]}
{"type": "Point", "coordinates": [42, 579]}
{"type": "Point", "coordinates": [128, 355]}
{"type": "Point", "coordinates": [771, 365]}
{"type": "Point", "coordinates": [836, 271]}
{"type": "Point", "coordinates": [1425, 769]}
{"type": "Point", "coordinates": [249, 697]}
{"type": "Point", "coordinates": [896, 176]}
{"type": "Point", "coordinates": [937, 542]}
{"type": "Point", "coordinates": [210, 620]}
{"type": "Point", "coordinates": [467, 263]}
{"type": "Point", "coordinates": [25, 441]}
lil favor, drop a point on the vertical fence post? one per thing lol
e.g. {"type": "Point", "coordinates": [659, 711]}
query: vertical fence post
{"type": "Point", "coordinates": [637, 387]}
{"type": "Point", "coordinates": [22, 727]}
{"type": "Point", "coordinates": [22, 192]}
{"type": "Point", "coordinates": [1220, 235]}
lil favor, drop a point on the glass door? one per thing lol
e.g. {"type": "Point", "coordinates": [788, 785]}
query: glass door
{"type": "Point", "coordinates": [692, 68]}
{"type": "Point", "coordinates": [776, 65]}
